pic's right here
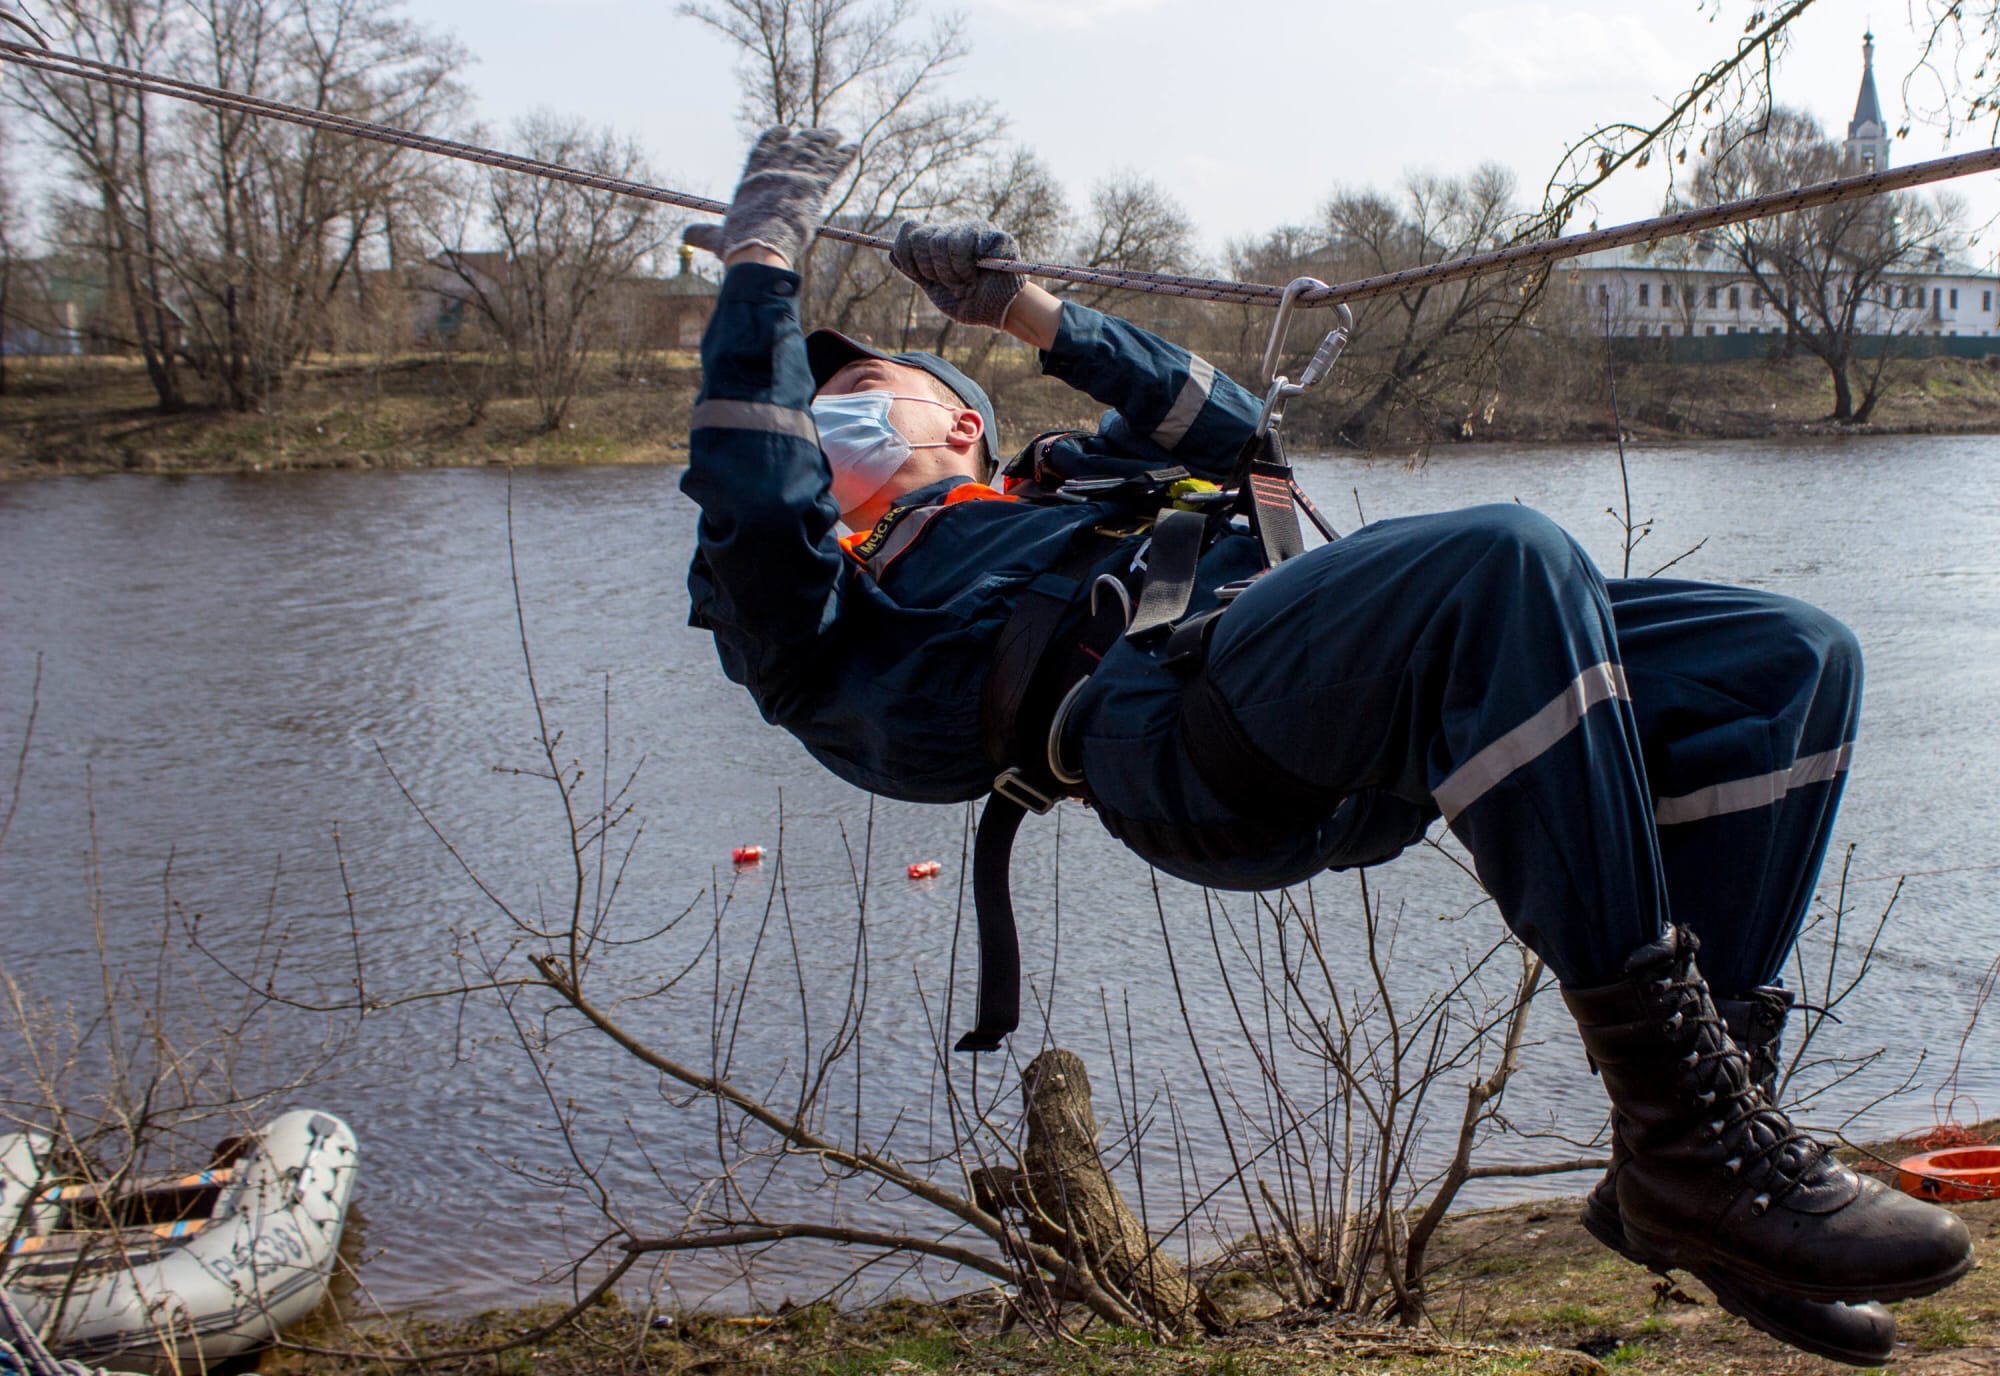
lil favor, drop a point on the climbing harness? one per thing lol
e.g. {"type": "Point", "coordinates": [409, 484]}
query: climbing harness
{"type": "Point", "coordinates": [1530, 254]}
{"type": "Point", "coordinates": [1067, 619]}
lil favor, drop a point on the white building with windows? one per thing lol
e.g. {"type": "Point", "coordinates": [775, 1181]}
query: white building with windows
{"type": "Point", "coordinates": [1679, 290]}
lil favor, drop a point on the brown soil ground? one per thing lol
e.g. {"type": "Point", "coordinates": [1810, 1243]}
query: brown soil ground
{"type": "Point", "coordinates": [97, 415]}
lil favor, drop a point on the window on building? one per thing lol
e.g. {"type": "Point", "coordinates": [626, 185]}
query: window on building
{"type": "Point", "coordinates": [1711, 329]}
{"type": "Point", "coordinates": [1644, 289]}
{"type": "Point", "coordinates": [1758, 299]}
{"type": "Point", "coordinates": [1735, 299]}
{"type": "Point", "coordinates": [1732, 329]}
{"type": "Point", "coordinates": [1713, 292]}
{"type": "Point", "coordinates": [1642, 297]}
{"type": "Point", "coordinates": [1986, 300]}
{"type": "Point", "coordinates": [1666, 293]}
{"type": "Point", "coordinates": [1954, 298]}
{"type": "Point", "coordinates": [1937, 299]}
{"type": "Point", "coordinates": [1603, 294]}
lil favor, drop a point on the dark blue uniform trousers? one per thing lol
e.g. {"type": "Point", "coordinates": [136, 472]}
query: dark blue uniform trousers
{"type": "Point", "coordinates": [1614, 754]}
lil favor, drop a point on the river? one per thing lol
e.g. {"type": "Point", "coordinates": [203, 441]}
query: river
{"type": "Point", "coordinates": [236, 673]}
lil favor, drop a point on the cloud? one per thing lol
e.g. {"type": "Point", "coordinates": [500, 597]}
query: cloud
{"type": "Point", "coordinates": [1538, 48]}
{"type": "Point", "coordinates": [1071, 14]}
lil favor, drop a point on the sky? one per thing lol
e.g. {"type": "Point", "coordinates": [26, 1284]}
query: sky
{"type": "Point", "coordinates": [1250, 121]}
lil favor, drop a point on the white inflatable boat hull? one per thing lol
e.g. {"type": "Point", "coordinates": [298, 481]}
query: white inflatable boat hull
{"type": "Point", "coordinates": [197, 1289]}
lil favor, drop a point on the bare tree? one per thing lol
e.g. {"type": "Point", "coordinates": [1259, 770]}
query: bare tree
{"type": "Point", "coordinates": [1736, 88]}
{"type": "Point", "coordinates": [1135, 223]}
{"type": "Point", "coordinates": [1429, 346]}
{"type": "Point", "coordinates": [1825, 271]}
{"type": "Point", "coordinates": [1957, 75]}
{"type": "Point", "coordinates": [274, 221]}
{"type": "Point", "coordinates": [860, 67]}
{"type": "Point", "coordinates": [110, 139]}
{"type": "Point", "coordinates": [10, 239]}
{"type": "Point", "coordinates": [562, 250]}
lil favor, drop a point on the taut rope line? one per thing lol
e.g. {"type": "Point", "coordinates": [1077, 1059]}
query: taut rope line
{"type": "Point", "coordinates": [1517, 256]}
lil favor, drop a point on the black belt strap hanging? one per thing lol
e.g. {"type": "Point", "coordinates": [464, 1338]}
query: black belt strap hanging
{"type": "Point", "coordinates": [999, 944]}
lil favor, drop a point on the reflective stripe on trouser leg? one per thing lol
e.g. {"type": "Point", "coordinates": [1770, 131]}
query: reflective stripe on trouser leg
{"type": "Point", "coordinates": [1470, 657]}
{"type": "Point", "coordinates": [1747, 703]}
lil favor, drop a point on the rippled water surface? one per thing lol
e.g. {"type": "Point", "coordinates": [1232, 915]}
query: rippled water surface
{"type": "Point", "coordinates": [237, 671]}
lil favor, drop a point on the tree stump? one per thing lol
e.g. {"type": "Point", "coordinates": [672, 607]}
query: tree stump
{"type": "Point", "coordinates": [1070, 1203]}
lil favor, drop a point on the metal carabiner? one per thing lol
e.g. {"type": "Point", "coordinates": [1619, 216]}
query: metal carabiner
{"type": "Point", "coordinates": [1282, 388]}
{"type": "Point", "coordinates": [1282, 326]}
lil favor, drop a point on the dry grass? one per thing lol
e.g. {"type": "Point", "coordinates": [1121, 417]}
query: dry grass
{"type": "Point", "coordinates": [97, 415]}
{"type": "Point", "coordinates": [1523, 1289]}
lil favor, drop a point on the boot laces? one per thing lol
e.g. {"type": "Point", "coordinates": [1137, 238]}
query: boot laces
{"type": "Point", "coordinates": [1766, 1149]}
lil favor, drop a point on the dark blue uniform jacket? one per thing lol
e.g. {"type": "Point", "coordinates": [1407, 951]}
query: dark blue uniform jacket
{"type": "Point", "coordinates": [881, 682]}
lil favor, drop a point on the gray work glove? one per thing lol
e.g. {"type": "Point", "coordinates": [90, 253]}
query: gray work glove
{"type": "Point", "coordinates": [944, 261]}
{"type": "Point", "coordinates": [706, 236]}
{"type": "Point", "coordinates": [782, 197]}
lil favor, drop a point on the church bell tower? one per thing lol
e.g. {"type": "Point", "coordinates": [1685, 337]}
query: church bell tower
{"type": "Point", "coordinates": [1867, 146]}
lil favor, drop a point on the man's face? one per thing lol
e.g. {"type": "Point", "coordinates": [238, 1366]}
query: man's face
{"type": "Point", "coordinates": [919, 422]}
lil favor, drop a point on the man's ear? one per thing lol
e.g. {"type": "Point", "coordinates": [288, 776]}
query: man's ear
{"type": "Point", "coordinates": [966, 428]}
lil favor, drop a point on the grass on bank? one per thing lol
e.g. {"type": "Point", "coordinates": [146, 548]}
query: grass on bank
{"type": "Point", "coordinates": [1522, 1290]}
{"type": "Point", "coordinates": [97, 415]}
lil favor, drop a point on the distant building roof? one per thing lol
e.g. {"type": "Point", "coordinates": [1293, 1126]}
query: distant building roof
{"type": "Point", "coordinates": [1668, 257]}
{"type": "Point", "coordinates": [1672, 255]}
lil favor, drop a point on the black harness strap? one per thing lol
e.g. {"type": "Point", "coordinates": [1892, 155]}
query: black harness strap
{"type": "Point", "coordinates": [1052, 641]}
{"type": "Point", "coordinates": [1018, 656]}
{"type": "Point", "coordinates": [1171, 560]}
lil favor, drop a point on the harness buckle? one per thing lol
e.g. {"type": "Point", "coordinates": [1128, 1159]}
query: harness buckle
{"type": "Point", "coordinates": [1013, 785]}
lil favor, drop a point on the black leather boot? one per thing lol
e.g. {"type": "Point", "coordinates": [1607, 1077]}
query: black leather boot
{"type": "Point", "coordinates": [1858, 1334]}
{"type": "Point", "coordinates": [1718, 1181]}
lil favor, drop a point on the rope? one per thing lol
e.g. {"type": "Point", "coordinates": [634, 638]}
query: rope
{"type": "Point", "coordinates": [22, 1352]}
{"type": "Point", "coordinates": [1516, 257]}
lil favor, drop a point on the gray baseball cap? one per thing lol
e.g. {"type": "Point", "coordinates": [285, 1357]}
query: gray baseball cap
{"type": "Point", "coordinates": [828, 351]}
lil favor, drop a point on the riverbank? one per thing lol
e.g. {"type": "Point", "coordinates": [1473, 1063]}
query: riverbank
{"type": "Point", "coordinates": [72, 416]}
{"type": "Point", "coordinates": [1522, 1289]}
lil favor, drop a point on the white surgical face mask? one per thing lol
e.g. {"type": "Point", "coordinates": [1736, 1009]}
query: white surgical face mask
{"type": "Point", "coordinates": [862, 448]}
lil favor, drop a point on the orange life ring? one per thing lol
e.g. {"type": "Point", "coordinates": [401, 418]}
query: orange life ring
{"type": "Point", "coordinates": [1953, 1173]}
{"type": "Point", "coordinates": [747, 855]}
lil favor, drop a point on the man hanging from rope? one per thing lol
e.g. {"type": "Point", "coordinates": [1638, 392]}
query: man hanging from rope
{"type": "Point", "coordinates": [1640, 769]}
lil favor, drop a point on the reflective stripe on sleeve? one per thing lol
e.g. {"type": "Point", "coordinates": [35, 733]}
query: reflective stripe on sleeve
{"type": "Point", "coordinates": [1531, 739]}
{"type": "Point", "coordinates": [754, 415]}
{"type": "Point", "coordinates": [1741, 795]}
{"type": "Point", "coordinates": [1187, 406]}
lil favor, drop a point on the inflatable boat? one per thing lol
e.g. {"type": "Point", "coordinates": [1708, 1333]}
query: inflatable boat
{"type": "Point", "coordinates": [184, 1269]}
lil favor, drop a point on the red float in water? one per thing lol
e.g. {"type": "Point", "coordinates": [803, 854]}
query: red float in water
{"type": "Point", "coordinates": [747, 855]}
{"type": "Point", "coordinates": [925, 869]}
